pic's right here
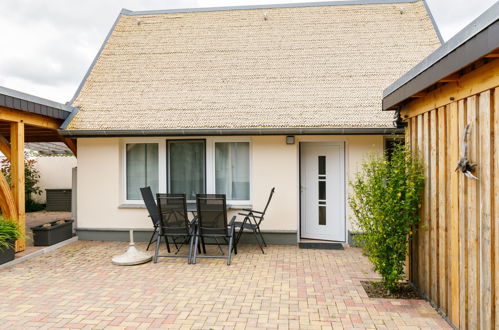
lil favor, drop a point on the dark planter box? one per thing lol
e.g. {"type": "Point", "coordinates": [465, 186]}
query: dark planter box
{"type": "Point", "coordinates": [7, 254]}
{"type": "Point", "coordinates": [43, 236]}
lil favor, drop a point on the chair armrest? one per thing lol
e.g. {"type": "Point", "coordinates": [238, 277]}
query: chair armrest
{"type": "Point", "coordinates": [245, 214]}
{"type": "Point", "coordinates": [231, 223]}
{"type": "Point", "coordinates": [253, 211]}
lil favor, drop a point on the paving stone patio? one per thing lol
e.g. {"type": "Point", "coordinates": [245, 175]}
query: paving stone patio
{"type": "Point", "coordinates": [78, 287]}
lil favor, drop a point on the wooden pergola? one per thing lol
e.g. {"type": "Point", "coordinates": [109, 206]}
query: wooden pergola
{"type": "Point", "coordinates": [25, 118]}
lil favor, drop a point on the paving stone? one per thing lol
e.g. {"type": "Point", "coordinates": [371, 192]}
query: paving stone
{"type": "Point", "coordinates": [77, 286]}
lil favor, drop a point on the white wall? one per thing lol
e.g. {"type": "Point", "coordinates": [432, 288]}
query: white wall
{"type": "Point", "coordinates": [55, 173]}
{"type": "Point", "coordinates": [273, 164]}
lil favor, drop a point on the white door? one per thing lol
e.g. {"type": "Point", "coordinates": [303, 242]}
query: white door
{"type": "Point", "coordinates": [323, 190]}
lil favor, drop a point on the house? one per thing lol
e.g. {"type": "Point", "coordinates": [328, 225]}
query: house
{"type": "Point", "coordinates": [450, 102]}
{"type": "Point", "coordinates": [238, 100]}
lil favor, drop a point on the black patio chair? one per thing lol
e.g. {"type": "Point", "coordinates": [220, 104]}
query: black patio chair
{"type": "Point", "coordinates": [152, 208]}
{"type": "Point", "coordinates": [212, 225]}
{"type": "Point", "coordinates": [252, 221]}
{"type": "Point", "coordinates": [174, 223]}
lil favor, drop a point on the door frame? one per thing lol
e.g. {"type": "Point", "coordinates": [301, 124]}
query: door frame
{"type": "Point", "coordinates": [345, 166]}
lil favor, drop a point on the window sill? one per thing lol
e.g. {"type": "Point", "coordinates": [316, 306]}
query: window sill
{"type": "Point", "coordinates": [143, 206]}
{"type": "Point", "coordinates": [132, 206]}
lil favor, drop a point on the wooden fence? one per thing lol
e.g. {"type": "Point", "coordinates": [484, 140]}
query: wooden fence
{"type": "Point", "coordinates": [455, 255]}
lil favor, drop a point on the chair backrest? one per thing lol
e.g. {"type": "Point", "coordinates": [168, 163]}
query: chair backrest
{"type": "Point", "coordinates": [151, 206]}
{"type": "Point", "coordinates": [212, 214]}
{"type": "Point", "coordinates": [268, 201]}
{"type": "Point", "coordinates": [173, 214]}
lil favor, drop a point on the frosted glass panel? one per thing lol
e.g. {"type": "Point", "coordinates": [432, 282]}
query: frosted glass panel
{"type": "Point", "coordinates": [232, 170]}
{"type": "Point", "coordinates": [322, 215]}
{"type": "Point", "coordinates": [186, 168]}
{"type": "Point", "coordinates": [141, 168]}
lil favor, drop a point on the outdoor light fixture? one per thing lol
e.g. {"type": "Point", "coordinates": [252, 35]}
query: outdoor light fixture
{"type": "Point", "coordinates": [290, 139]}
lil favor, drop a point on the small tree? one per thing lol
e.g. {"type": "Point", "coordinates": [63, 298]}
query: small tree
{"type": "Point", "coordinates": [385, 201]}
{"type": "Point", "coordinates": [32, 177]}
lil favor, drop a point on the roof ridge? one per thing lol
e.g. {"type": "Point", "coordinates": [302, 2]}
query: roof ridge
{"type": "Point", "coordinates": [268, 6]}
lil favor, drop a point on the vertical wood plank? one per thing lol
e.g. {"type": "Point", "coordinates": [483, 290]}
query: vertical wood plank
{"type": "Point", "coordinates": [442, 215]}
{"type": "Point", "coordinates": [463, 269]}
{"type": "Point", "coordinates": [17, 177]}
{"type": "Point", "coordinates": [485, 212]}
{"type": "Point", "coordinates": [414, 242]}
{"type": "Point", "coordinates": [420, 243]}
{"type": "Point", "coordinates": [495, 111]}
{"type": "Point", "coordinates": [450, 169]}
{"type": "Point", "coordinates": [472, 210]}
{"type": "Point", "coordinates": [426, 205]}
{"type": "Point", "coordinates": [407, 269]}
{"type": "Point", "coordinates": [433, 170]}
{"type": "Point", "coordinates": [454, 216]}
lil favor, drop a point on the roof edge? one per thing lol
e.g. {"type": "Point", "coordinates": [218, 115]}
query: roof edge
{"type": "Point", "coordinates": [249, 7]}
{"type": "Point", "coordinates": [233, 131]}
{"type": "Point", "coordinates": [87, 74]}
{"type": "Point", "coordinates": [66, 122]}
{"type": "Point", "coordinates": [435, 25]}
{"type": "Point", "coordinates": [479, 24]}
{"type": "Point", "coordinates": [35, 99]}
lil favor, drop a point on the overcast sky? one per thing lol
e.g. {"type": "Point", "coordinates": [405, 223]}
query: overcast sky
{"type": "Point", "coordinates": [47, 46]}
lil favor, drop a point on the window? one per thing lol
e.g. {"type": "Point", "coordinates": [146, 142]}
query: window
{"type": "Point", "coordinates": [186, 167]}
{"type": "Point", "coordinates": [232, 170]}
{"type": "Point", "coordinates": [141, 168]}
{"type": "Point", "coordinates": [192, 166]}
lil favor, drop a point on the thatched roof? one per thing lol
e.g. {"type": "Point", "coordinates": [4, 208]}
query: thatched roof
{"type": "Point", "coordinates": [277, 67]}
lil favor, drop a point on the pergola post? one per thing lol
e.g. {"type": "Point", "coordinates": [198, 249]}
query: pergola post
{"type": "Point", "coordinates": [17, 177]}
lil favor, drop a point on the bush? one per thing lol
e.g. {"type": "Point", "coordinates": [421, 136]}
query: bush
{"type": "Point", "coordinates": [32, 177]}
{"type": "Point", "coordinates": [385, 201]}
{"type": "Point", "coordinates": [9, 233]}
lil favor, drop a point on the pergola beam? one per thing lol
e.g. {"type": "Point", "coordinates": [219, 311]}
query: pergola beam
{"type": "Point", "coordinates": [17, 177]}
{"type": "Point", "coordinates": [5, 146]}
{"type": "Point", "coordinates": [71, 144]}
{"type": "Point", "coordinates": [28, 118]}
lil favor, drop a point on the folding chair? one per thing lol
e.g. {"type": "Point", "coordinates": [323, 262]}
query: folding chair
{"type": "Point", "coordinates": [152, 208]}
{"type": "Point", "coordinates": [252, 221]}
{"type": "Point", "coordinates": [212, 224]}
{"type": "Point", "coordinates": [174, 223]}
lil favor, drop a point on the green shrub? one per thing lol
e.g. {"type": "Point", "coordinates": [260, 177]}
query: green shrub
{"type": "Point", "coordinates": [385, 201]}
{"type": "Point", "coordinates": [9, 233]}
{"type": "Point", "coordinates": [32, 178]}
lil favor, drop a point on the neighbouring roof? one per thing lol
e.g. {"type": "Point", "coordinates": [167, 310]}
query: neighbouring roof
{"type": "Point", "coordinates": [49, 148]}
{"type": "Point", "coordinates": [13, 99]}
{"type": "Point", "coordinates": [313, 65]}
{"type": "Point", "coordinates": [476, 40]}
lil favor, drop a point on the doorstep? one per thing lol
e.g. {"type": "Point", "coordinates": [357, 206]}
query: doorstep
{"type": "Point", "coordinates": [319, 245]}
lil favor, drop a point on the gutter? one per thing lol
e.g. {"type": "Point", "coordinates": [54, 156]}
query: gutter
{"type": "Point", "coordinates": [232, 131]}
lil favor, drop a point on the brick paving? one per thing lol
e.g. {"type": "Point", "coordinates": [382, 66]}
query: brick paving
{"type": "Point", "coordinates": [77, 286]}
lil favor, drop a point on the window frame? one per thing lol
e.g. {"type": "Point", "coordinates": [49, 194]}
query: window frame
{"type": "Point", "coordinates": [212, 185]}
{"type": "Point", "coordinates": [167, 176]}
{"type": "Point", "coordinates": [123, 181]}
